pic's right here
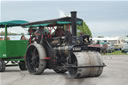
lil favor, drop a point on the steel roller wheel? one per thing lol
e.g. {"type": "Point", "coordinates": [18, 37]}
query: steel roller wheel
{"type": "Point", "coordinates": [72, 71]}
{"type": "Point", "coordinates": [91, 63]}
{"type": "Point", "coordinates": [34, 59]}
{"type": "Point", "coordinates": [2, 65]}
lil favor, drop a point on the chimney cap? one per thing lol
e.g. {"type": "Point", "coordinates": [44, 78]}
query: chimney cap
{"type": "Point", "coordinates": [73, 11]}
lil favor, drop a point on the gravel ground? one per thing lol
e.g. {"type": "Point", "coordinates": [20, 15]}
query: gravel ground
{"type": "Point", "coordinates": [115, 73]}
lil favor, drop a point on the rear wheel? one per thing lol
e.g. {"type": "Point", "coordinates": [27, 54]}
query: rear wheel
{"type": "Point", "coordinates": [2, 65]}
{"type": "Point", "coordinates": [22, 65]}
{"type": "Point", "coordinates": [34, 59]}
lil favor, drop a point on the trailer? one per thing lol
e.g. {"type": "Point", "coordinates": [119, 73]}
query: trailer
{"type": "Point", "coordinates": [12, 50]}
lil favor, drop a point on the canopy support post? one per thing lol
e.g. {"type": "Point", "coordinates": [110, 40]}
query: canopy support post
{"type": "Point", "coordinates": [6, 32]}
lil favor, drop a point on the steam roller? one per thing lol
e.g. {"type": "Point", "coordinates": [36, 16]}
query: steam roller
{"type": "Point", "coordinates": [62, 50]}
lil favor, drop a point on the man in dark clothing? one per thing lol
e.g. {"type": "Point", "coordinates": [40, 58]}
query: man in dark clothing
{"type": "Point", "coordinates": [39, 34]}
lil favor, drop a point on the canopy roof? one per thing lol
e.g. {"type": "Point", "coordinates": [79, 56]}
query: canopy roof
{"type": "Point", "coordinates": [59, 21]}
{"type": "Point", "coordinates": [12, 23]}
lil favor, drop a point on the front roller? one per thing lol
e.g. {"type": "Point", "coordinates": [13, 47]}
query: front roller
{"type": "Point", "coordinates": [85, 64]}
{"type": "Point", "coordinates": [35, 59]}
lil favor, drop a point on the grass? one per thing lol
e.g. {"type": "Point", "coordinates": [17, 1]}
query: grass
{"type": "Point", "coordinates": [116, 53]}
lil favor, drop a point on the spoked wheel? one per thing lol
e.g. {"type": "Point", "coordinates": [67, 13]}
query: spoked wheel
{"type": "Point", "coordinates": [2, 65]}
{"type": "Point", "coordinates": [22, 65]}
{"type": "Point", "coordinates": [34, 59]}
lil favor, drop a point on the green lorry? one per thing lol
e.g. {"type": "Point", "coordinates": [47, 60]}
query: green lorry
{"type": "Point", "coordinates": [12, 50]}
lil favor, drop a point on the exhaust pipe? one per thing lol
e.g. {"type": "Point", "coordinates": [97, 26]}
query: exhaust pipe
{"type": "Point", "coordinates": [73, 20]}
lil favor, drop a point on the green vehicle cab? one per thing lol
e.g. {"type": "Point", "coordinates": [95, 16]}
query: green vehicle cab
{"type": "Point", "coordinates": [12, 50]}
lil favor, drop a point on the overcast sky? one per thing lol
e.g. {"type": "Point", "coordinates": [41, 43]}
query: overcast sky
{"type": "Point", "coordinates": [107, 18]}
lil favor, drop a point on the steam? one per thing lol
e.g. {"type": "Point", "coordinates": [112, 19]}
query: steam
{"type": "Point", "coordinates": [63, 14]}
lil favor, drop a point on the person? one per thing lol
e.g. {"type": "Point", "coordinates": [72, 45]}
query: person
{"type": "Point", "coordinates": [1, 38]}
{"type": "Point", "coordinates": [31, 30]}
{"type": "Point", "coordinates": [105, 46]}
{"type": "Point", "coordinates": [59, 32]}
{"type": "Point", "coordinates": [68, 37]}
{"type": "Point", "coordinates": [8, 38]}
{"type": "Point", "coordinates": [23, 37]}
{"type": "Point", "coordinates": [39, 34]}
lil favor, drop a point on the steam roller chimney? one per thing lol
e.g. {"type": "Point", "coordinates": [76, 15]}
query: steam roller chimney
{"type": "Point", "coordinates": [73, 22]}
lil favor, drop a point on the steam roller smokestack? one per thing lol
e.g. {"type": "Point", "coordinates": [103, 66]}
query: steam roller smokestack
{"type": "Point", "coordinates": [74, 20]}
